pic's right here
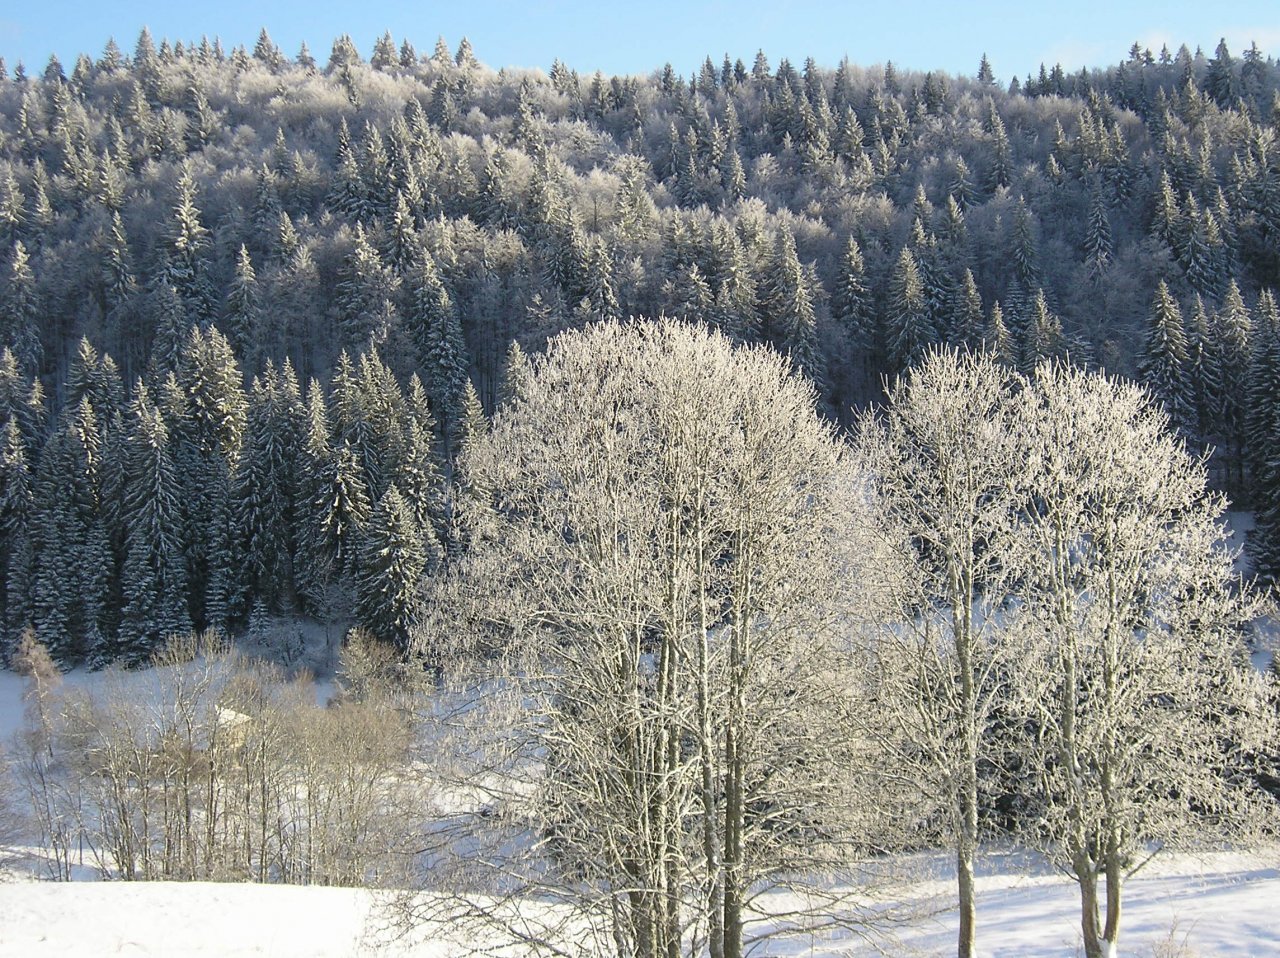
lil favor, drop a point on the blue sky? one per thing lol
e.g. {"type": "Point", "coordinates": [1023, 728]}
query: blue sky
{"type": "Point", "coordinates": [639, 37]}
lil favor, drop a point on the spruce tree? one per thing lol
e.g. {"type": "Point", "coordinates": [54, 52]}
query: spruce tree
{"type": "Point", "coordinates": [393, 559]}
{"type": "Point", "coordinates": [437, 333]}
{"type": "Point", "coordinates": [266, 477]}
{"type": "Point", "coordinates": [1231, 330]}
{"type": "Point", "coordinates": [1262, 414]}
{"type": "Point", "coordinates": [242, 315]}
{"type": "Point", "coordinates": [366, 295]}
{"type": "Point", "coordinates": [789, 318]}
{"type": "Point", "coordinates": [908, 332]}
{"type": "Point", "coordinates": [16, 509]}
{"type": "Point", "coordinates": [187, 261]}
{"type": "Point", "coordinates": [72, 564]}
{"type": "Point", "coordinates": [154, 579]}
{"type": "Point", "coordinates": [20, 310]}
{"type": "Point", "coordinates": [1163, 363]}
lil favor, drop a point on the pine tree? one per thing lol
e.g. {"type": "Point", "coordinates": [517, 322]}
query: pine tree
{"type": "Point", "coordinates": [393, 559]}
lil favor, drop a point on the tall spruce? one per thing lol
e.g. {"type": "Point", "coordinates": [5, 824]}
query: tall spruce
{"type": "Point", "coordinates": [154, 580]}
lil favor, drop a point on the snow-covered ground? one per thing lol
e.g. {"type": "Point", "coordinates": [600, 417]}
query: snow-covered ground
{"type": "Point", "coordinates": [1227, 906]}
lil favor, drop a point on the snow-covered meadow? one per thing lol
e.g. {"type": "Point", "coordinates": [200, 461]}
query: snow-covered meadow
{"type": "Point", "coordinates": [1224, 906]}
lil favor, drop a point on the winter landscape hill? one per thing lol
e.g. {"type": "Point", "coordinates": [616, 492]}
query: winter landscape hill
{"type": "Point", "coordinates": [781, 510]}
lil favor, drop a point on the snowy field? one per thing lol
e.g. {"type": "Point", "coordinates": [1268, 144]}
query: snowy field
{"type": "Point", "coordinates": [1227, 906]}
{"type": "Point", "coordinates": [1221, 906]}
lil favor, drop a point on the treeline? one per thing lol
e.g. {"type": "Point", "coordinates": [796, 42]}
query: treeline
{"type": "Point", "coordinates": [433, 210]}
{"type": "Point", "coordinates": [200, 503]}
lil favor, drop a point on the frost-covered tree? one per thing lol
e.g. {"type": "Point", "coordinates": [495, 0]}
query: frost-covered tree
{"type": "Point", "coordinates": [393, 558]}
{"type": "Point", "coordinates": [154, 579]}
{"type": "Point", "coordinates": [1163, 363]}
{"type": "Point", "coordinates": [659, 515]}
{"type": "Point", "coordinates": [907, 327]}
{"type": "Point", "coordinates": [945, 471]}
{"type": "Point", "coordinates": [69, 590]}
{"type": "Point", "coordinates": [19, 310]}
{"type": "Point", "coordinates": [1134, 674]}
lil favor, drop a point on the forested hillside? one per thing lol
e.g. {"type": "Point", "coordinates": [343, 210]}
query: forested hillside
{"type": "Point", "coordinates": [255, 305]}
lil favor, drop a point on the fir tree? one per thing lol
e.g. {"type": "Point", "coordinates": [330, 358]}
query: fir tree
{"type": "Point", "coordinates": [19, 310]}
{"type": "Point", "coordinates": [366, 295]}
{"type": "Point", "coordinates": [789, 318]}
{"type": "Point", "coordinates": [185, 267]}
{"type": "Point", "coordinates": [69, 590]}
{"type": "Point", "coordinates": [908, 332]}
{"type": "Point", "coordinates": [1231, 331]}
{"type": "Point", "coordinates": [1043, 338]}
{"type": "Point", "coordinates": [16, 508]}
{"type": "Point", "coordinates": [265, 493]}
{"type": "Point", "coordinates": [442, 351]}
{"type": "Point", "coordinates": [241, 318]}
{"type": "Point", "coordinates": [1098, 244]}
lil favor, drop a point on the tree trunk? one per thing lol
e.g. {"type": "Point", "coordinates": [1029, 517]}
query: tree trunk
{"type": "Point", "coordinates": [968, 911]}
{"type": "Point", "coordinates": [1115, 887]}
{"type": "Point", "coordinates": [1088, 879]}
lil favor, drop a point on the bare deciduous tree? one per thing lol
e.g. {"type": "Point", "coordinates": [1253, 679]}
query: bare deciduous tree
{"type": "Point", "coordinates": [677, 551]}
{"type": "Point", "coordinates": [945, 464]}
{"type": "Point", "coordinates": [1138, 712]}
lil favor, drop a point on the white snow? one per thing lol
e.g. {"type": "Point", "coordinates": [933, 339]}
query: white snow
{"type": "Point", "coordinates": [1225, 905]}
{"type": "Point", "coordinates": [1222, 907]}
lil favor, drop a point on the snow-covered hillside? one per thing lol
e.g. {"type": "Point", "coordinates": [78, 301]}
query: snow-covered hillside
{"type": "Point", "coordinates": [1223, 907]}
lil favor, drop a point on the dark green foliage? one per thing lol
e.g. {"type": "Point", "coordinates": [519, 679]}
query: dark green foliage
{"type": "Point", "coordinates": [20, 308]}
{"type": "Point", "coordinates": [154, 579]}
{"type": "Point", "coordinates": [908, 329]}
{"type": "Point", "coordinates": [69, 589]}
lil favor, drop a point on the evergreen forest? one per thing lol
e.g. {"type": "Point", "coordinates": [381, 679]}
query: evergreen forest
{"type": "Point", "coordinates": [255, 306]}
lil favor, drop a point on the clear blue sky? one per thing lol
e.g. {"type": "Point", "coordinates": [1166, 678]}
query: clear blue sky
{"type": "Point", "coordinates": [633, 37]}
